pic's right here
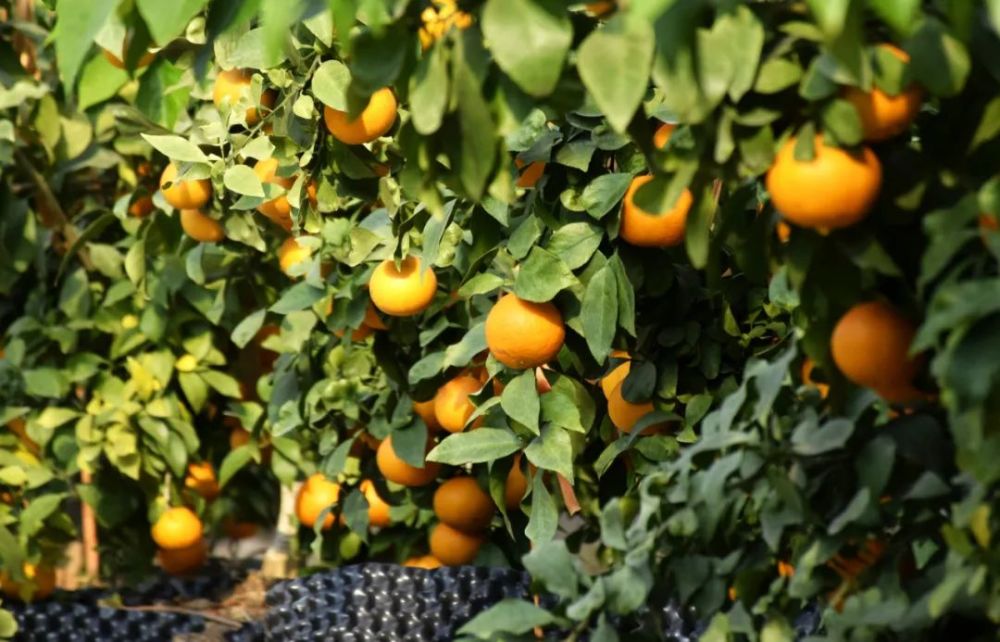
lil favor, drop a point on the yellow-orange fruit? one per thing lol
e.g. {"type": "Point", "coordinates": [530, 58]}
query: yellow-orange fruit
{"type": "Point", "coordinates": [141, 207]}
{"type": "Point", "coordinates": [807, 368]}
{"type": "Point", "coordinates": [530, 175]}
{"type": "Point", "coordinates": [653, 229]}
{"type": "Point", "coordinates": [277, 209]}
{"type": "Point", "coordinates": [870, 344]}
{"type": "Point", "coordinates": [452, 405]}
{"type": "Point", "coordinates": [235, 529]}
{"type": "Point", "coordinates": [835, 189]}
{"type": "Point", "coordinates": [425, 410]}
{"type": "Point", "coordinates": [378, 509]}
{"type": "Point", "coordinates": [625, 414]}
{"type": "Point", "coordinates": [184, 195]}
{"type": "Point", "coordinates": [375, 120]}
{"type": "Point", "coordinates": [183, 561]}
{"type": "Point", "coordinates": [662, 135]}
{"type": "Point", "coordinates": [315, 495]}
{"type": "Point", "coordinates": [452, 546]}
{"type": "Point", "coordinates": [396, 470]}
{"type": "Point", "coordinates": [423, 561]}
{"type": "Point", "coordinates": [884, 116]}
{"type": "Point", "coordinates": [177, 527]}
{"type": "Point", "coordinates": [405, 291]}
{"type": "Point", "coordinates": [617, 375]}
{"type": "Point", "coordinates": [200, 227]}
{"type": "Point", "coordinates": [524, 334]}
{"type": "Point", "coordinates": [516, 485]}
{"type": "Point", "coordinates": [201, 479]}
{"type": "Point", "coordinates": [291, 253]}
{"type": "Point", "coordinates": [230, 87]}
{"type": "Point", "coordinates": [43, 579]}
{"type": "Point", "coordinates": [462, 504]}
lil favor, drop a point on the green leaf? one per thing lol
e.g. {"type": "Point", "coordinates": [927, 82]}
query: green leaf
{"type": "Point", "coordinates": [831, 15]}
{"type": "Point", "coordinates": [552, 564]}
{"type": "Point", "coordinates": [194, 388]}
{"type": "Point", "coordinates": [8, 624]}
{"type": "Point", "coordinates": [854, 509]}
{"type": "Point", "coordinates": [841, 119]}
{"type": "Point", "coordinates": [777, 74]}
{"type": "Point", "coordinates": [222, 383]}
{"type": "Point", "coordinates": [45, 382]}
{"type": "Point", "coordinates": [507, 616]}
{"type": "Point", "coordinates": [552, 450]}
{"type": "Point", "coordinates": [247, 328]}
{"type": "Point", "coordinates": [99, 81]}
{"type": "Point", "coordinates": [614, 63]}
{"type": "Point", "coordinates": [330, 84]}
{"type": "Point", "coordinates": [989, 124]}
{"type": "Point", "coordinates": [476, 147]}
{"type": "Point", "coordinates": [429, 92]}
{"type": "Point", "coordinates": [475, 446]}
{"type": "Point", "coordinates": [698, 230]}
{"type": "Point", "coordinates": [234, 461]}
{"type": "Point", "coordinates": [938, 60]}
{"type": "Point", "coordinates": [575, 243]}
{"type": "Point", "coordinates": [377, 56]}
{"type": "Point", "coordinates": [530, 40]}
{"type": "Point", "coordinates": [40, 508]}
{"type": "Point", "coordinates": [520, 400]}
{"type": "Point", "coordinates": [483, 283]}
{"type": "Point", "coordinates": [242, 180]}
{"type": "Point", "coordinates": [544, 519]}
{"type": "Point", "coordinates": [542, 276]}
{"type": "Point", "coordinates": [176, 148]}
{"type": "Point", "coordinates": [569, 405]}
{"type": "Point", "coordinates": [167, 20]}
{"type": "Point", "coordinates": [898, 14]}
{"type": "Point", "coordinates": [599, 312]}
{"type": "Point", "coordinates": [626, 295]}
{"type": "Point", "coordinates": [298, 297]}
{"type": "Point", "coordinates": [604, 192]}
{"type": "Point", "coordinates": [473, 342]}
{"type": "Point", "coordinates": [77, 24]}
{"type": "Point", "coordinates": [811, 439]}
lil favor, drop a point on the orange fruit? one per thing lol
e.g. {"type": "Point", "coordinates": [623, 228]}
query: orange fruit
{"type": "Point", "coordinates": [452, 546]}
{"type": "Point", "coordinates": [835, 189]}
{"type": "Point", "coordinates": [373, 320]}
{"type": "Point", "coordinates": [807, 368]}
{"type": "Point", "coordinates": [405, 291]}
{"type": "Point", "coordinates": [452, 405]}
{"type": "Point", "coordinates": [462, 504]}
{"type": "Point", "coordinates": [201, 479]}
{"type": "Point", "coordinates": [183, 561]}
{"type": "Point", "coordinates": [524, 334]}
{"type": "Point", "coordinates": [184, 195]}
{"type": "Point", "coordinates": [230, 87]}
{"type": "Point", "coordinates": [625, 414]}
{"type": "Point", "coordinates": [428, 562]}
{"type": "Point", "coordinates": [884, 116]}
{"type": "Point", "coordinates": [41, 578]}
{"type": "Point", "coordinates": [20, 428]}
{"type": "Point", "coordinates": [662, 135]}
{"type": "Point", "coordinates": [653, 229]}
{"type": "Point", "coordinates": [277, 209]}
{"type": "Point", "coordinates": [396, 470]}
{"type": "Point", "coordinates": [529, 177]}
{"type": "Point", "coordinates": [785, 569]}
{"type": "Point", "coordinates": [988, 223]}
{"type": "Point", "coordinates": [783, 231]}
{"type": "Point", "coordinates": [618, 374]}
{"type": "Point", "coordinates": [374, 120]}
{"type": "Point", "coordinates": [870, 344]}
{"type": "Point", "coordinates": [315, 495]}
{"type": "Point", "coordinates": [516, 485]}
{"type": "Point", "coordinates": [291, 253]}
{"type": "Point", "coordinates": [378, 509]}
{"type": "Point", "coordinates": [238, 436]}
{"type": "Point", "coordinates": [201, 228]}
{"type": "Point", "coordinates": [177, 528]}
{"type": "Point", "coordinates": [601, 8]}
{"type": "Point", "coordinates": [425, 410]}
{"type": "Point", "coordinates": [239, 530]}
{"type": "Point", "coordinates": [141, 207]}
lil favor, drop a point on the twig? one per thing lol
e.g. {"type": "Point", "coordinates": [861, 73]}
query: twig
{"type": "Point", "coordinates": [91, 557]}
{"type": "Point", "coordinates": [162, 608]}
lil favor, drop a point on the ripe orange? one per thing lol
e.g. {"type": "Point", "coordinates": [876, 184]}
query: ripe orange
{"type": "Point", "coordinates": [425, 410]}
{"type": "Point", "coordinates": [291, 253]}
{"type": "Point", "coordinates": [177, 528]}
{"type": "Point", "coordinates": [184, 195]}
{"type": "Point", "coordinates": [835, 189]}
{"type": "Point", "coordinates": [396, 470]}
{"type": "Point", "coordinates": [785, 569]}
{"type": "Point", "coordinates": [662, 135]}
{"type": "Point", "coordinates": [230, 87]}
{"type": "Point", "coordinates": [452, 405]}
{"type": "Point", "coordinates": [141, 207]}
{"type": "Point", "coordinates": [653, 229]}
{"type": "Point", "coordinates": [402, 292]}
{"type": "Point", "coordinates": [235, 529]}
{"type": "Point", "coordinates": [41, 577]}
{"type": "Point", "coordinates": [373, 320]}
{"type": "Point", "coordinates": [200, 227]}
{"type": "Point", "coordinates": [523, 334]}
{"type": "Point", "coordinates": [428, 562]}
{"type": "Point", "coordinates": [783, 231]}
{"type": "Point", "coordinates": [516, 485]}
{"type": "Point", "coordinates": [238, 436]}
{"type": "Point", "coordinates": [183, 561]}
{"type": "Point", "coordinates": [452, 546]}
{"type": "Point", "coordinates": [277, 209]}
{"type": "Point", "coordinates": [378, 509]}
{"type": "Point", "coordinates": [315, 495]}
{"type": "Point", "coordinates": [870, 344]}
{"type": "Point", "coordinates": [462, 504]}
{"type": "Point", "coordinates": [625, 414]}
{"type": "Point", "coordinates": [618, 374]}
{"type": "Point", "coordinates": [375, 120]}
{"type": "Point", "coordinates": [201, 479]}
{"type": "Point", "coordinates": [884, 116]}
{"type": "Point", "coordinates": [807, 368]}
{"type": "Point", "coordinates": [529, 177]}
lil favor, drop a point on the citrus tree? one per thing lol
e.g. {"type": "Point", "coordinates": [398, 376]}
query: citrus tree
{"type": "Point", "coordinates": [668, 301]}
